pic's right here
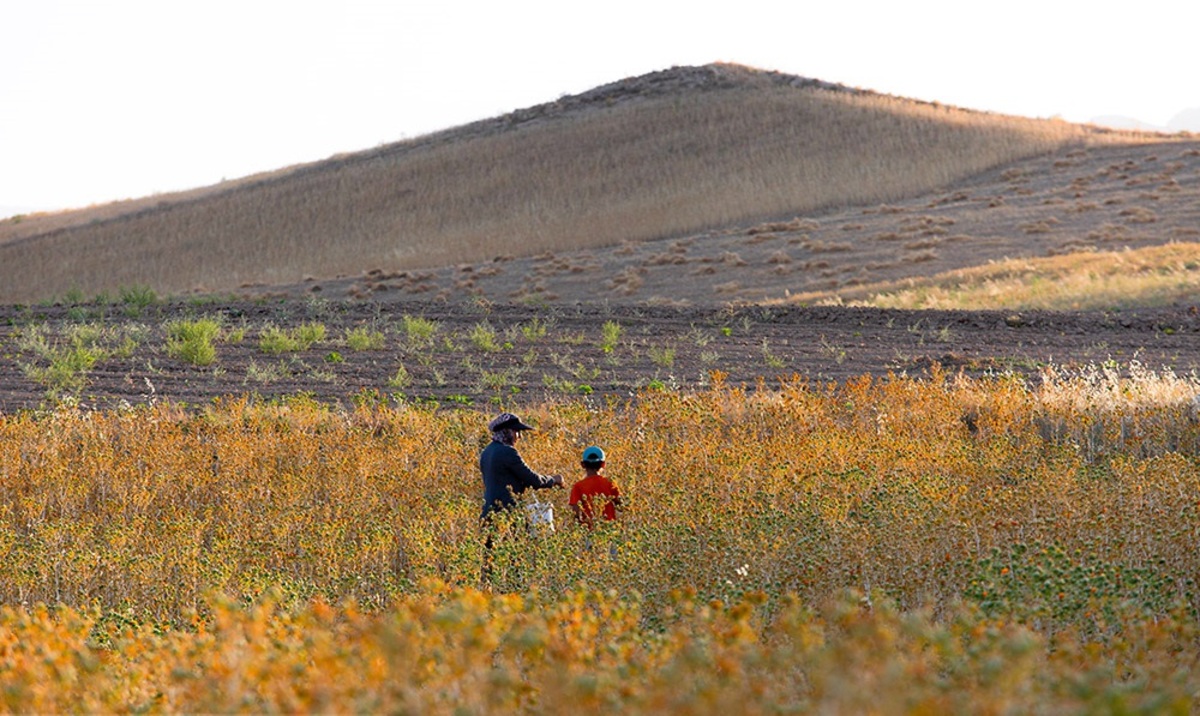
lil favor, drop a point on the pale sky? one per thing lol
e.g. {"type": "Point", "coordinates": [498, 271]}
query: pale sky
{"type": "Point", "coordinates": [110, 99]}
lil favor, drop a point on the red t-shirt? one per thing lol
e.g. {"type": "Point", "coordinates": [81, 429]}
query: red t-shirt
{"type": "Point", "coordinates": [595, 490]}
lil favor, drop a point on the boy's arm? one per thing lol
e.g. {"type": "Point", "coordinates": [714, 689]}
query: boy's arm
{"type": "Point", "coordinates": [573, 501]}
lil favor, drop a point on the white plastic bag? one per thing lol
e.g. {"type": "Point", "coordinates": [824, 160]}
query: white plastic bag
{"type": "Point", "coordinates": [541, 514]}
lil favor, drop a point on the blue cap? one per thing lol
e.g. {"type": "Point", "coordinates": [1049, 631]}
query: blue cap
{"type": "Point", "coordinates": [593, 454]}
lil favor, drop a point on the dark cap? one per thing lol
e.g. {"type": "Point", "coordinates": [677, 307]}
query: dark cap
{"type": "Point", "coordinates": [507, 421]}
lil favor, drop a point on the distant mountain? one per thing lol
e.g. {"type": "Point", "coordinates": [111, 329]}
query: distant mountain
{"type": "Point", "coordinates": [1115, 121]}
{"type": "Point", "coordinates": [9, 211]}
{"type": "Point", "coordinates": [1186, 121]}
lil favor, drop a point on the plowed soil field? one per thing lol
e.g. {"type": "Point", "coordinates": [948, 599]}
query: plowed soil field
{"type": "Point", "coordinates": [482, 354]}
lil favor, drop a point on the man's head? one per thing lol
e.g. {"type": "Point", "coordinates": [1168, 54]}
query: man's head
{"type": "Point", "coordinates": [507, 421]}
{"type": "Point", "coordinates": [506, 427]}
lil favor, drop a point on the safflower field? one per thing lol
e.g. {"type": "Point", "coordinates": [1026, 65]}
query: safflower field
{"type": "Point", "coordinates": [884, 545]}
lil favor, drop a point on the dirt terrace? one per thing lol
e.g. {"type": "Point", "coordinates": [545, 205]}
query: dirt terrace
{"type": "Point", "coordinates": [556, 352]}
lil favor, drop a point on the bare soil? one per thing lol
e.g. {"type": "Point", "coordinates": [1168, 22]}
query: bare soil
{"type": "Point", "coordinates": [659, 347]}
{"type": "Point", "coordinates": [1098, 198]}
{"type": "Point", "coordinates": [686, 306]}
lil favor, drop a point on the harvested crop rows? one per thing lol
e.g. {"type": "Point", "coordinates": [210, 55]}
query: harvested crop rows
{"type": "Point", "coordinates": [494, 354]}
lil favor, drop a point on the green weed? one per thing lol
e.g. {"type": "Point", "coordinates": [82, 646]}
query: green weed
{"type": "Point", "coordinates": [663, 356]}
{"type": "Point", "coordinates": [610, 334]}
{"type": "Point", "coordinates": [418, 329]}
{"type": "Point", "coordinates": [483, 337]}
{"type": "Point", "coordinates": [362, 338]}
{"type": "Point", "coordinates": [192, 340]}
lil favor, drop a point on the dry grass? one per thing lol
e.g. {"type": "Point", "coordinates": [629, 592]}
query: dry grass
{"type": "Point", "coordinates": [1152, 276]}
{"type": "Point", "coordinates": [732, 146]}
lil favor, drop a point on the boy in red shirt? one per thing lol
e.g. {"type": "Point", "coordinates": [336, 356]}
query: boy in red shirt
{"type": "Point", "coordinates": [595, 492]}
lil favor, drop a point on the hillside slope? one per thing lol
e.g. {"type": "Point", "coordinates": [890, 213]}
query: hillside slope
{"type": "Point", "coordinates": [668, 154]}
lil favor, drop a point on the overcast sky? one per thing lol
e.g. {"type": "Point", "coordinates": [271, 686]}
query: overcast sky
{"type": "Point", "coordinates": [112, 99]}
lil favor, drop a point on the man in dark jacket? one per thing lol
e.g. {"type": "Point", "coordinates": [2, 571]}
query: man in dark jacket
{"type": "Point", "coordinates": [505, 474]}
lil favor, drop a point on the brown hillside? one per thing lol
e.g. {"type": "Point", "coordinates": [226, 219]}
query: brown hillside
{"type": "Point", "coordinates": [1074, 206]}
{"type": "Point", "coordinates": [671, 154]}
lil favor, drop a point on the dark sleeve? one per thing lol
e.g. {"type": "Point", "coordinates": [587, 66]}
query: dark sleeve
{"type": "Point", "coordinates": [522, 474]}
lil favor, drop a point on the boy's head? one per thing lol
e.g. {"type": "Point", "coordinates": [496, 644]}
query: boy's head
{"type": "Point", "coordinates": [593, 458]}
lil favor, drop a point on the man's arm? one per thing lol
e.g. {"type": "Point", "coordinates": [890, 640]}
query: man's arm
{"type": "Point", "coordinates": [525, 475]}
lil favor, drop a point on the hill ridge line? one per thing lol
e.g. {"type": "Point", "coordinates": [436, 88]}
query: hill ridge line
{"type": "Point", "coordinates": [662, 154]}
{"type": "Point", "coordinates": [647, 86]}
